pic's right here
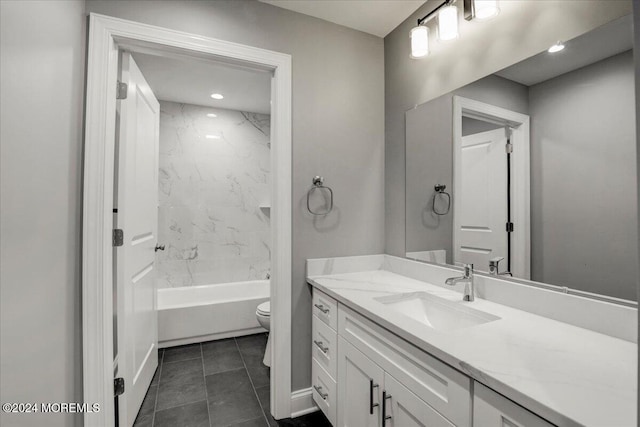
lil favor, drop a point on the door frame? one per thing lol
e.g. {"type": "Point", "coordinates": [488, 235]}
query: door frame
{"type": "Point", "coordinates": [520, 178]}
{"type": "Point", "coordinates": [106, 36]}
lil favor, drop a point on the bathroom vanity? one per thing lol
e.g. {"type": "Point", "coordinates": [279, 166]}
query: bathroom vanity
{"type": "Point", "coordinates": [392, 346]}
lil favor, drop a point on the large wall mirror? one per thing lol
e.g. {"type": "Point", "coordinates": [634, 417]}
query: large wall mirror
{"type": "Point", "coordinates": [531, 172]}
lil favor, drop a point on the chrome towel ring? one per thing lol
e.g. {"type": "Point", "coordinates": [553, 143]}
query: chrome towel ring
{"type": "Point", "coordinates": [318, 184]}
{"type": "Point", "coordinates": [440, 191]}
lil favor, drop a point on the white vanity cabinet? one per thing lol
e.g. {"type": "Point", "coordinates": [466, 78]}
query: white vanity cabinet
{"type": "Point", "coordinates": [370, 397]}
{"type": "Point", "coordinates": [324, 348]}
{"type": "Point", "coordinates": [468, 364]}
{"type": "Point", "coordinates": [325, 308]}
{"type": "Point", "coordinates": [405, 409]}
{"type": "Point", "coordinates": [370, 365]}
{"type": "Point", "coordinates": [363, 375]}
{"type": "Point", "coordinates": [359, 389]}
{"type": "Point", "coordinates": [420, 381]}
{"type": "Point", "coordinates": [490, 409]}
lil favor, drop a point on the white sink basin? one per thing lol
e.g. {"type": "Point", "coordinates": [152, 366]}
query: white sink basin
{"type": "Point", "coordinates": [435, 312]}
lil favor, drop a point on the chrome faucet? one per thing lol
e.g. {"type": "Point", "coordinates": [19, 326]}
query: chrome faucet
{"type": "Point", "coordinates": [494, 267]}
{"type": "Point", "coordinates": [469, 291]}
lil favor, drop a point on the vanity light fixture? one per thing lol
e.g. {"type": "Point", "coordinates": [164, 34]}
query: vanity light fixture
{"type": "Point", "coordinates": [216, 96]}
{"type": "Point", "coordinates": [480, 9]}
{"type": "Point", "coordinates": [419, 41]}
{"type": "Point", "coordinates": [420, 33]}
{"type": "Point", "coordinates": [447, 14]}
{"type": "Point", "coordinates": [448, 23]}
{"type": "Point", "coordinates": [213, 116]}
{"type": "Point", "coordinates": [556, 47]}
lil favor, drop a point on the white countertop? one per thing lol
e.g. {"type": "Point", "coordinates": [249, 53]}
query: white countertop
{"type": "Point", "coordinates": [566, 374]}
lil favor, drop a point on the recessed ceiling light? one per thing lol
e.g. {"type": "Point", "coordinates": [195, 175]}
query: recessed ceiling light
{"type": "Point", "coordinates": [212, 137]}
{"type": "Point", "coordinates": [212, 115]}
{"type": "Point", "coordinates": [216, 96]}
{"type": "Point", "coordinates": [556, 47]}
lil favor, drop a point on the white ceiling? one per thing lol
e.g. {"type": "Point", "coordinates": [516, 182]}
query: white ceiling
{"type": "Point", "coordinates": [192, 81]}
{"type": "Point", "coordinates": [377, 17]}
{"type": "Point", "coordinates": [601, 43]}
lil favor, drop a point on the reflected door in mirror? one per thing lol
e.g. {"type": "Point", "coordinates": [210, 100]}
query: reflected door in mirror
{"type": "Point", "coordinates": [482, 199]}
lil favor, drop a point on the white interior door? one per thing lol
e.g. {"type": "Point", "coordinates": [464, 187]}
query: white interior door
{"type": "Point", "coordinates": [137, 216]}
{"type": "Point", "coordinates": [480, 199]}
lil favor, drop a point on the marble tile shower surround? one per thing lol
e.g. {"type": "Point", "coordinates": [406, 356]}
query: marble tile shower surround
{"type": "Point", "coordinates": [213, 179]}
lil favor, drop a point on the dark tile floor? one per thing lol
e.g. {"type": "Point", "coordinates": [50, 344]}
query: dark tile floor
{"type": "Point", "coordinates": [216, 383]}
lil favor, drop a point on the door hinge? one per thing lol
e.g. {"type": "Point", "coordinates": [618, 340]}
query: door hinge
{"type": "Point", "coordinates": [121, 90]}
{"type": "Point", "coordinates": [118, 237]}
{"type": "Point", "coordinates": [509, 227]}
{"type": "Point", "coordinates": [508, 148]}
{"type": "Point", "coordinates": [118, 386]}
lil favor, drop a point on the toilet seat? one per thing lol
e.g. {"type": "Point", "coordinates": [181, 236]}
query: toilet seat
{"type": "Point", "coordinates": [264, 309]}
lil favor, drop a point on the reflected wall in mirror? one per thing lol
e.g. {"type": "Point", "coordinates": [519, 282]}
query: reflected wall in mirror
{"type": "Point", "coordinates": [531, 171]}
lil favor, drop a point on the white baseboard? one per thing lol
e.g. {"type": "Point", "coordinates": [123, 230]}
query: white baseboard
{"type": "Point", "coordinates": [210, 337]}
{"type": "Point", "coordinates": [302, 402]}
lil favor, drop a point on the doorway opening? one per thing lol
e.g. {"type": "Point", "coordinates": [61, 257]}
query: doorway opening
{"type": "Point", "coordinates": [491, 188]}
{"type": "Point", "coordinates": [120, 179]}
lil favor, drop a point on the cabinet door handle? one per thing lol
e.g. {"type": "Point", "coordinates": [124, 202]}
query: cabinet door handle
{"type": "Point", "coordinates": [371, 404]}
{"type": "Point", "coordinates": [385, 417]}
{"type": "Point", "coordinates": [321, 308]}
{"type": "Point", "coordinates": [322, 395]}
{"type": "Point", "coordinates": [319, 345]}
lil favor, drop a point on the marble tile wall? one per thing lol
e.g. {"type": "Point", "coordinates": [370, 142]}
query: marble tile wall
{"type": "Point", "coordinates": [213, 179]}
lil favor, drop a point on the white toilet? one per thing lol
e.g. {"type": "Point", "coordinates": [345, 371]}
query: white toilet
{"type": "Point", "coordinates": [263, 314]}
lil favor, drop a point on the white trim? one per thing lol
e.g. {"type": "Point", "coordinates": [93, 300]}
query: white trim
{"type": "Point", "coordinates": [106, 35]}
{"type": "Point", "coordinates": [210, 337]}
{"type": "Point", "coordinates": [521, 266]}
{"type": "Point", "coordinates": [302, 402]}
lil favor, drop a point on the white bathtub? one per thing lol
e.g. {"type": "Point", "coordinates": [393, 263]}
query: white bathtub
{"type": "Point", "coordinates": [203, 313]}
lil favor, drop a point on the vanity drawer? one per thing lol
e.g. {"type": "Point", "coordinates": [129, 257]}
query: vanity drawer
{"type": "Point", "coordinates": [324, 346]}
{"type": "Point", "coordinates": [324, 391]}
{"type": "Point", "coordinates": [442, 387]}
{"type": "Point", "coordinates": [325, 308]}
{"type": "Point", "coordinates": [490, 409]}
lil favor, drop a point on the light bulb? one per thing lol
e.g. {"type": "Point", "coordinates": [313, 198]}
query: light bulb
{"type": "Point", "coordinates": [448, 23]}
{"type": "Point", "coordinates": [419, 41]}
{"type": "Point", "coordinates": [485, 9]}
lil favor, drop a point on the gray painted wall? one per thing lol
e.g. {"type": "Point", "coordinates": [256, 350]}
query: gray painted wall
{"type": "Point", "coordinates": [472, 126]}
{"type": "Point", "coordinates": [584, 215]}
{"type": "Point", "coordinates": [42, 81]}
{"type": "Point", "coordinates": [429, 142]}
{"type": "Point", "coordinates": [481, 50]}
{"type": "Point", "coordinates": [430, 162]}
{"type": "Point", "coordinates": [338, 119]}
{"type": "Point", "coordinates": [498, 91]}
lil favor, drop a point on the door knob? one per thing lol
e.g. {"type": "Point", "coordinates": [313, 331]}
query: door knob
{"type": "Point", "coordinates": [159, 248]}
